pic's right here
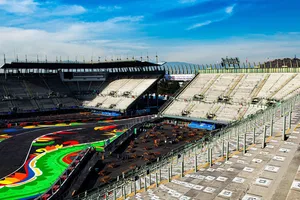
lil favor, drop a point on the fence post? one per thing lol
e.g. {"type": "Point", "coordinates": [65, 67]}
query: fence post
{"type": "Point", "coordinates": [227, 151]}
{"type": "Point", "coordinates": [290, 119]}
{"type": "Point", "coordinates": [134, 187]}
{"type": "Point", "coordinates": [223, 147]}
{"type": "Point", "coordinates": [145, 185]}
{"type": "Point", "coordinates": [156, 179]}
{"type": "Point", "coordinates": [196, 164]}
{"type": "Point", "coordinates": [140, 182]}
{"type": "Point", "coordinates": [245, 144]}
{"type": "Point", "coordinates": [263, 143]}
{"type": "Point", "coordinates": [210, 156]}
{"type": "Point", "coordinates": [182, 166]}
{"type": "Point", "coordinates": [271, 125]}
{"type": "Point", "coordinates": [238, 142]}
{"type": "Point", "coordinates": [254, 130]}
{"type": "Point", "coordinates": [284, 128]}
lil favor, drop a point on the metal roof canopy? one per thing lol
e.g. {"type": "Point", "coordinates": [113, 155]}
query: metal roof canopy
{"type": "Point", "coordinates": [64, 65]}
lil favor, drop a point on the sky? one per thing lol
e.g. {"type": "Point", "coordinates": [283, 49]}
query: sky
{"type": "Point", "coordinates": [194, 31]}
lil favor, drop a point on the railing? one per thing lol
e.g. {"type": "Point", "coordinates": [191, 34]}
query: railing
{"type": "Point", "coordinates": [253, 122]}
{"type": "Point", "coordinates": [251, 70]}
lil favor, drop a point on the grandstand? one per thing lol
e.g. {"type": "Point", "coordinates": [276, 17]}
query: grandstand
{"type": "Point", "coordinates": [119, 94]}
{"type": "Point", "coordinates": [109, 86]}
{"type": "Point", "coordinates": [227, 97]}
{"type": "Point", "coordinates": [224, 134]}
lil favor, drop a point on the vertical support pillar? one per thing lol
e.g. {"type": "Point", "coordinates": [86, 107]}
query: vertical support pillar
{"type": "Point", "coordinates": [182, 167]}
{"type": "Point", "coordinates": [169, 174]}
{"type": "Point", "coordinates": [171, 170]}
{"type": "Point", "coordinates": [159, 174]}
{"type": "Point", "coordinates": [254, 132]}
{"type": "Point", "coordinates": [134, 187]}
{"type": "Point", "coordinates": [263, 143]}
{"type": "Point", "coordinates": [245, 144]}
{"type": "Point", "coordinates": [130, 189]}
{"type": "Point", "coordinates": [125, 192]}
{"type": "Point", "coordinates": [223, 148]}
{"type": "Point", "coordinates": [122, 191]}
{"type": "Point", "coordinates": [156, 179]}
{"type": "Point", "coordinates": [227, 151]}
{"type": "Point", "coordinates": [145, 185]}
{"type": "Point", "coordinates": [290, 119]}
{"type": "Point", "coordinates": [238, 142]}
{"type": "Point", "coordinates": [210, 157]}
{"type": "Point", "coordinates": [115, 194]}
{"type": "Point", "coordinates": [149, 178]}
{"type": "Point", "coordinates": [196, 162]}
{"type": "Point", "coordinates": [208, 154]}
{"type": "Point", "coordinates": [284, 128]}
{"type": "Point", "coordinates": [271, 125]}
{"type": "Point", "coordinates": [140, 182]}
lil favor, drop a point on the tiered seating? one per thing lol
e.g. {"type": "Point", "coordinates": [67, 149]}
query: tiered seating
{"type": "Point", "coordinates": [217, 89]}
{"type": "Point", "coordinates": [228, 112]}
{"type": "Point", "coordinates": [236, 93]}
{"type": "Point", "coordinates": [46, 103]}
{"type": "Point", "coordinates": [289, 89]}
{"type": "Point", "coordinates": [67, 102]}
{"type": "Point", "coordinates": [15, 87]}
{"type": "Point", "coordinates": [198, 85]}
{"type": "Point", "coordinates": [54, 83]}
{"type": "Point", "coordinates": [5, 106]}
{"type": "Point", "coordinates": [124, 102]}
{"type": "Point", "coordinates": [201, 109]}
{"type": "Point", "coordinates": [140, 88]}
{"type": "Point", "coordinates": [110, 101]}
{"type": "Point", "coordinates": [275, 81]}
{"type": "Point", "coordinates": [73, 86]}
{"type": "Point", "coordinates": [245, 89]}
{"type": "Point", "coordinates": [97, 85]}
{"type": "Point", "coordinates": [119, 94]}
{"type": "Point", "coordinates": [176, 108]}
{"type": "Point", "coordinates": [114, 86]}
{"type": "Point", "coordinates": [25, 104]}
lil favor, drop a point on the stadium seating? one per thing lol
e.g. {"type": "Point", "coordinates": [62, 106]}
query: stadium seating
{"type": "Point", "coordinates": [232, 96]}
{"type": "Point", "coordinates": [119, 93]}
{"type": "Point", "coordinates": [48, 91]}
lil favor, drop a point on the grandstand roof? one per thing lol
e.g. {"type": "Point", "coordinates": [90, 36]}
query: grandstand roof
{"type": "Point", "coordinates": [73, 65]}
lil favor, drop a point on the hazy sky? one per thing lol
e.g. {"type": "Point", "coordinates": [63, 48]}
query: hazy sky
{"type": "Point", "coordinates": [196, 31]}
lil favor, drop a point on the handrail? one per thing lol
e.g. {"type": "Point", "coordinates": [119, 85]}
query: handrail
{"type": "Point", "coordinates": [206, 140]}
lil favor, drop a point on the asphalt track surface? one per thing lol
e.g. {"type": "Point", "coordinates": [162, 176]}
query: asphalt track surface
{"type": "Point", "coordinates": [14, 151]}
